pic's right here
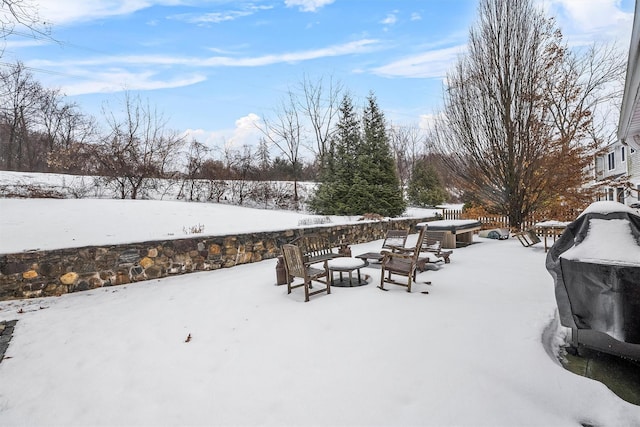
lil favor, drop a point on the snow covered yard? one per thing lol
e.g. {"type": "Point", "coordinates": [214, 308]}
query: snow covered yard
{"type": "Point", "coordinates": [470, 353]}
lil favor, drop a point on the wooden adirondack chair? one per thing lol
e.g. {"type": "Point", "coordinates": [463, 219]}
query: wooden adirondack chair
{"type": "Point", "coordinates": [402, 263]}
{"type": "Point", "coordinates": [394, 239]}
{"type": "Point", "coordinates": [528, 238]}
{"type": "Point", "coordinates": [433, 243]}
{"type": "Point", "coordinates": [295, 267]}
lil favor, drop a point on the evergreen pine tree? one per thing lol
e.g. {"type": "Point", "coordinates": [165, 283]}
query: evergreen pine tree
{"type": "Point", "coordinates": [425, 188]}
{"type": "Point", "coordinates": [376, 166]}
{"type": "Point", "coordinates": [360, 175]}
{"type": "Point", "coordinates": [331, 196]}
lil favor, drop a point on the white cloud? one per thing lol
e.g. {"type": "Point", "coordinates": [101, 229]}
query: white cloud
{"type": "Point", "coordinates": [244, 133]}
{"type": "Point", "coordinates": [111, 73]}
{"type": "Point", "coordinates": [117, 80]}
{"type": "Point", "coordinates": [349, 48]}
{"type": "Point", "coordinates": [358, 46]}
{"type": "Point", "coordinates": [434, 63]}
{"type": "Point", "coordinates": [592, 14]}
{"type": "Point", "coordinates": [308, 5]}
{"type": "Point", "coordinates": [213, 17]}
{"type": "Point", "coordinates": [390, 19]}
{"type": "Point", "coordinates": [15, 44]}
{"type": "Point", "coordinates": [218, 17]}
{"type": "Point", "coordinates": [60, 12]}
{"type": "Point", "coordinates": [427, 121]}
{"type": "Point", "coordinates": [209, 138]}
{"type": "Point", "coordinates": [583, 22]}
{"type": "Point", "coordinates": [415, 16]}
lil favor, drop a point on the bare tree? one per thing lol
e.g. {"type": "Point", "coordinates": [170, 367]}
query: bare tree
{"type": "Point", "coordinates": [242, 165]}
{"type": "Point", "coordinates": [138, 148]}
{"type": "Point", "coordinates": [65, 132]}
{"type": "Point", "coordinates": [196, 157]}
{"type": "Point", "coordinates": [20, 13]}
{"type": "Point", "coordinates": [20, 17]}
{"type": "Point", "coordinates": [582, 89]}
{"type": "Point", "coordinates": [39, 126]}
{"type": "Point", "coordinates": [407, 143]}
{"type": "Point", "coordinates": [512, 148]}
{"type": "Point", "coordinates": [20, 98]}
{"type": "Point", "coordinates": [285, 132]}
{"type": "Point", "coordinates": [320, 105]}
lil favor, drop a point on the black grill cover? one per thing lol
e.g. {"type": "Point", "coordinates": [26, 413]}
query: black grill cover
{"type": "Point", "coordinates": [600, 293]}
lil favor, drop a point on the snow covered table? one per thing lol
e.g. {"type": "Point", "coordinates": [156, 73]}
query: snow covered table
{"type": "Point", "coordinates": [456, 231]}
{"type": "Point", "coordinates": [347, 265]}
{"type": "Point", "coordinates": [550, 229]}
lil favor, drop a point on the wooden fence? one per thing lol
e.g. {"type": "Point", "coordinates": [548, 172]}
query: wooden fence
{"type": "Point", "coordinates": [496, 221]}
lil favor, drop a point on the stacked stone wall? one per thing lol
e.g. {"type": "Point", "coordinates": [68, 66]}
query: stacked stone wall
{"type": "Point", "coordinates": [56, 272]}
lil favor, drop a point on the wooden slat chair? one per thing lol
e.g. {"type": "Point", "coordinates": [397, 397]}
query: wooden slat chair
{"type": "Point", "coordinates": [433, 243]}
{"type": "Point", "coordinates": [393, 239]}
{"type": "Point", "coordinates": [316, 249]}
{"type": "Point", "coordinates": [295, 267]}
{"type": "Point", "coordinates": [528, 238]}
{"type": "Point", "coordinates": [402, 263]}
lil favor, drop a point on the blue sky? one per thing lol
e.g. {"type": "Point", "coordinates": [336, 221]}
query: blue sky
{"type": "Point", "coordinates": [215, 67]}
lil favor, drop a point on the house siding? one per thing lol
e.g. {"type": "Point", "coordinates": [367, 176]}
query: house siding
{"type": "Point", "coordinates": [627, 166]}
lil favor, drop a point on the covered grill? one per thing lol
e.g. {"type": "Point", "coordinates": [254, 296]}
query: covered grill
{"type": "Point", "coordinates": [596, 268]}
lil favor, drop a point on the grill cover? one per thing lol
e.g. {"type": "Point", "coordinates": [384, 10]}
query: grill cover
{"type": "Point", "coordinates": [595, 265]}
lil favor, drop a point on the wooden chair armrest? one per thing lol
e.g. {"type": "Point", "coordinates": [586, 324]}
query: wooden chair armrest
{"type": "Point", "coordinates": [387, 255]}
{"type": "Point", "coordinates": [396, 249]}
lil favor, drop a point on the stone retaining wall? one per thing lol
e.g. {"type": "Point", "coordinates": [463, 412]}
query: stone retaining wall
{"type": "Point", "coordinates": [57, 272]}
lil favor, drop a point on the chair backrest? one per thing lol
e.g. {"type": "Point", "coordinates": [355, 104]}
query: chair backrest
{"type": "Point", "coordinates": [433, 240]}
{"type": "Point", "coordinates": [293, 260]}
{"type": "Point", "coordinates": [533, 236]}
{"type": "Point", "coordinates": [396, 238]}
{"type": "Point", "coordinates": [314, 246]}
{"type": "Point", "coordinates": [412, 252]}
{"type": "Point", "coordinates": [420, 242]}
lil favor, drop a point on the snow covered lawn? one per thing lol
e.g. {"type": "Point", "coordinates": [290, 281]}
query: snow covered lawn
{"type": "Point", "coordinates": [63, 223]}
{"type": "Point", "coordinates": [470, 353]}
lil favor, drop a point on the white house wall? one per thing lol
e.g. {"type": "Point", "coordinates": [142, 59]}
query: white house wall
{"type": "Point", "coordinates": [613, 152]}
{"type": "Point", "coordinates": [629, 124]}
{"type": "Point", "coordinates": [634, 177]}
{"type": "Point", "coordinates": [627, 190]}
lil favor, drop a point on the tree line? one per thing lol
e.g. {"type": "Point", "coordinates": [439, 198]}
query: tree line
{"type": "Point", "coordinates": [132, 147]}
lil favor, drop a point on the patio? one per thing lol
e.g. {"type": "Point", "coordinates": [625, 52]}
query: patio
{"type": "Point", "coordinates": [474, 351]}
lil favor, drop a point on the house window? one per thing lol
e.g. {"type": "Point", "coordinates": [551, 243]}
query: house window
{"type": "Point", "coordinates": [622, 153]}
{"type": "Point", "coordinates": [620, 193]}
{"type": "Point", "coordinates": [610, 194]}
{"type": "Point", "coordinates": [611, 158]}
